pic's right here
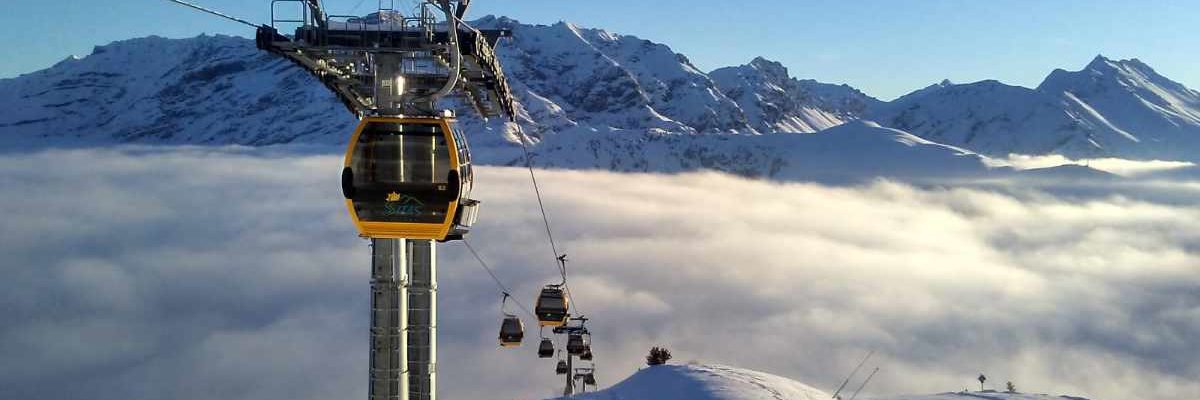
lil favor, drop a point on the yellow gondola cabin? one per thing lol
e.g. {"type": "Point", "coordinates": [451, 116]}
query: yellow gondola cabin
{"type": "Point", "coordinates": [408, 178]}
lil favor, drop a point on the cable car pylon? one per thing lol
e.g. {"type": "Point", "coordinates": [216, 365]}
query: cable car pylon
{"type": "Point", "coordinates": [407, 175]}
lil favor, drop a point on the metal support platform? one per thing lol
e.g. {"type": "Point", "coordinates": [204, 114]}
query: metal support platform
{"type": "Point", "coordinates": [391, 64]}
{"type": "Point", "coordinates": [339, 50]}
{"type": "Point", "coordinates": [569, 389]}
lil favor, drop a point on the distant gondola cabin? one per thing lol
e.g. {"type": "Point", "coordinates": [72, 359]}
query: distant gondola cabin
{"type": "Point", "coordinates": [552, 307]}
{"type": "Point", "coordinates": [408, 178]}
{"type": "Point", "coordinates": [512, 331]}
{"type": "Point", "coordinates": [546, 348]}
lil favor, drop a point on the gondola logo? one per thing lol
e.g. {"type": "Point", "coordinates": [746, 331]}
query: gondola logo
{"type": "Point", "coordinates": [402, 204]}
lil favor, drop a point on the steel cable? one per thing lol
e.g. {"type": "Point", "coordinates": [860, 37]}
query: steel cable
{"type": "Point", "coordinates": [561, 258]}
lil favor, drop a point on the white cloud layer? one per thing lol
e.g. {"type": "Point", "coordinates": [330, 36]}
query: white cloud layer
{"type": "Point", "coordinates": [1119, 166]}
{"type": "Point", "coordinates": [234, 274]}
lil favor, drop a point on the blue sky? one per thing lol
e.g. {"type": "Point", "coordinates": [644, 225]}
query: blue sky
{"type": "Point", "coordinates": [885, 48]}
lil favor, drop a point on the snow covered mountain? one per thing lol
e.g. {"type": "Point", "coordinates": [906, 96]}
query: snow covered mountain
{"type": "Point", "coordinates": [774, 101]}
{"type": "Point", "coordinates": [204, 90]}
{"type": "Point", "coordinates": [588, 99]}
{"type": "Point", "coordinates": [595, 99]}
{"type": "Point", "coordinates": [849, 152]}
{"type": "Point", "coordinates": [995, 119]}
{"type": "Point", "coordinates": [221, 90]}
{"type": "Point", "coordinates": [597, 78]}
{"type": "Point", "coordinates": [1110, 108]}
{"type": "Point", "coordinates": [718, 382]}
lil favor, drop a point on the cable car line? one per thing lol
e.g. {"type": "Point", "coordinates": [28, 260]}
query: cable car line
{"type": "Point", "coordinates": [356, 6]}
{"type": "Point", "coordinates": [538, 192]}
{"type": "Point", "coordinates": [855, 371]}
{"type": "Point", "coordinates": [512, 329]}
{"type": "Point", "coordinates": [214, 12]}
{"type": "Point", "coordinates": [561, 258]}
{"type": "Point", "coordinates": [500, 284]}
{"type": "Point", "coordinates": [393, 192]}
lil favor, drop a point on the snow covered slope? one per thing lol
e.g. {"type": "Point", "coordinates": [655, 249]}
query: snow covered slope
{"type": "Point", "coordinates": [705, 382]}
{"type": "Point", "coordinates": [1110, 108]}
{"type": "Point", "coordinates": [774, 101]}
{"type": "Point", "coordinates": [996, 119]}
{"type": "Point", "coordinates": [719, 382]}
{"type": "Point", "coordinates": [1163, 115]}
{"type": "Point", "coordinates": [204, 90]}
{"type": "Point", "coordinates": [849, 152]}
{"type": "Point", "coordinates": [989, 395]}
{"type": "Point", "coordinates": [598, 78]}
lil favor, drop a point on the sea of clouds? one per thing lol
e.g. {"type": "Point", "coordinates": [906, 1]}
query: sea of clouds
{"type": "Point", "coordinates": [206, 273]}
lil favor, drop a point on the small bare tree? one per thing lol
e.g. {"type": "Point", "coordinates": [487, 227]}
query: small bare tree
{"type": "Point", "coordinates": [1011, 387]}
{"type": "Point", "coordinates": [658, 356]}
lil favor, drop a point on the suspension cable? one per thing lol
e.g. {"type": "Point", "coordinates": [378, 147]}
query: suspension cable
{"type": "Point", "coordinates": [561, 258]}
{"type": "Point", "coordinates": [499, 284]}
{"type": "Point", "coordinates": [538, 191]}
{"type": "Point", "coordinates": [213, 12]}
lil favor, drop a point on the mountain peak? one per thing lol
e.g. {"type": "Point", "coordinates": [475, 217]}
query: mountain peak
{"type": "Point", "coordinates": [773, 101]}
{"type": "Point", "coordinates": [1100, 61]}
{"type": "Point", "coordinates": [1104, 65]}
{"type": "Point", "coordinates": [773, 69]}
{"type": "Point", "coordinates": [492, 21]}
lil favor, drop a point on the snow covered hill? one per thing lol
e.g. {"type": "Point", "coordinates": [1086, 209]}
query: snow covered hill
{"type": "Point", "coordinates": [705, 382]}
{"type": "Point", "coordinates": [1110, 108]}
{"type": "Point", "coordinates": [988, 395]}
{"type": "Point", "coordinates": [719, 382]}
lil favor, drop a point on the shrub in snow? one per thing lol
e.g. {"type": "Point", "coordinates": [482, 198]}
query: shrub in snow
{"type": "Point", "coordinates": [658, 356]}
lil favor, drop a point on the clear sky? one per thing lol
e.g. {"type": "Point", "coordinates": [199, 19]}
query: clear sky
{"type": "Point", "coordinates": [884, 47]}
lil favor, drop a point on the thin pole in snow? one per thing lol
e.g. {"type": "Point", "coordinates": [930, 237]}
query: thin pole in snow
{"type": "Point", "coordinates": [855, 371]}
{"type": "Point", "coordinates": [864, 384]}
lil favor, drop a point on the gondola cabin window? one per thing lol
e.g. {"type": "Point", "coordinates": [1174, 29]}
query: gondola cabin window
{"type": "Point", "coordinates": [404, 172]}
